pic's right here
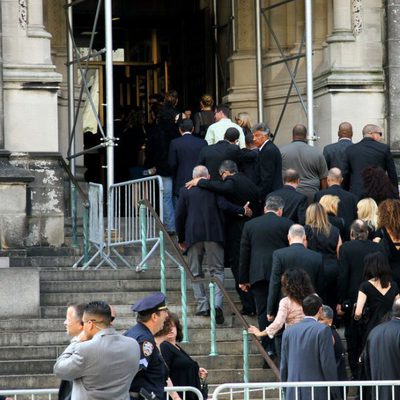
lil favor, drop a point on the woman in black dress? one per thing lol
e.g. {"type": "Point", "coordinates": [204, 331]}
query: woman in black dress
{"type": "Point", "coordinates": [331, 206]}
{"type": "Point", "coordinates": [376, 294]}
{"type": "Point", "coordinates": [183, 370]}
{"type": "Point", "coordinates": [324, 238]}
{"type": "Point", "coordinates": [389, 232]}
{"type": "Point", "coordinates": [205, 117]}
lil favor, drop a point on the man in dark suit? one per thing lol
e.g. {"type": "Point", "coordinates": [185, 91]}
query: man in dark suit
{"type": "Point", "coordinates": [296, 203]}
{"type": "Point", "coordinates": [348, 201]}
{"type": "Point", "coordinates": [294, 256]}
{"type": "Point", "coordinates": [260, 238]}
{"type": "Point", "coordinates": [307, 352]}
{"type": "Point", "coordinates": [335, 153]}
{"type": "Point", "coordinates": [239, 190]}
{"type": "Point", "coordinates": [213, 155]}
{"type": "Point", "coordinates": [383, 354]}
{"type": "Point", "coordinates": [183, 154]}
{"type": "Point", "coordinates": [367, 153]}
{"type": "Point", "coordinates": [248, 158]}
{"type": "Point", "coordinates": [200, 229]}
{"type": "Point", "coordinates": [351, 269]}
{"type": "Point", "coordinates": [269, 162]}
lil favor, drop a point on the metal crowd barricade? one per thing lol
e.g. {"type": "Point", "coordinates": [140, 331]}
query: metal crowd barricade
{"type": "Point", "coordinates": [184, 389]}
{"type": "Point", "coordinates": [377, 390]}
{"type": "Point", "coordinates": [129, 222]}
{"type": "Point", "coordinates": [96, 228]}
{"type": "Point", "coordinates": [34, 394]}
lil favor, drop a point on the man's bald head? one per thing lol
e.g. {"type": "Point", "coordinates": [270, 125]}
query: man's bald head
{"type": "Point", "coordinates": [334, 177]}
{"type": "Point", "coordinates": [345, 130]}
{"type": "Point", "coordinates": [299, 132]}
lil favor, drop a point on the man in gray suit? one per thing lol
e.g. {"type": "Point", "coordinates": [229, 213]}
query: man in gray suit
{"type": "Point", "coordinates": [307, 353]}
{"type": "Point", "coordinates": [103, 363]}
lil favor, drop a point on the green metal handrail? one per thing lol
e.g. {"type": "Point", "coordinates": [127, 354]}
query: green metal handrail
{"type": "Point", "coordinates": [77, 189]}
{"type": "Point", "coordinates": [182, 262]}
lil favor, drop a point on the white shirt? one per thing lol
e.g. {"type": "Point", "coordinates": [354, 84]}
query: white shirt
{"type": "Point", "coordinates": [216, 132]}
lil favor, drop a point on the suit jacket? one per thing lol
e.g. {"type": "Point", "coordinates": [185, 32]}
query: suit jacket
{"type": "Point", "coordinates": [351, 267]}
{"type": "Point", "coordinates": [237, 189]}
{"type": "Point", "coordinates": [199, 216]}
{"type": "Point", "coordinates": [65, 390]}
{"type": "Point", "coordinates": [248, 163]}
{"type": "Point", "coordinates": [260, 238]}
{"type": "Point", "coordinates": [367, 153]}
{"type": "Point", "coordinates": [213, 155]}
{"type": "Point", "coordinates": [294, 256]}
{"type": "Point", "coordinates": [101, 368]}
{"type": "Point", "coordinates": [269, 169]}
{"type": "Point", "coordinates": [335, 153]}
{"type": "Point", "coordinates": [182, 158]}
{"type": "Point", "coordinates": [383, 356]}
{"type": "Point", "coordinates": [307, 355]}
{"type": "Point", "coordinates": [347, 206]}
{"type": "Point", "coordinates": [296, 203]}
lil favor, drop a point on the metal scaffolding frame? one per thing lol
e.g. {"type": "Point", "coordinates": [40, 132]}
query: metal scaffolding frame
{"type": "Point", "coordinates": [309, 107]}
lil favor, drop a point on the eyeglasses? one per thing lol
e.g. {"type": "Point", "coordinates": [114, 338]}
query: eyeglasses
{"type": "Point", "coordinates": [378, 133]}
{"type": "Point", "coordinates": [92, 320]}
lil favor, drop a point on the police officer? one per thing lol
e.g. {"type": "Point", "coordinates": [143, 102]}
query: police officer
{"type": "Point", "coordinates": [153, 372]}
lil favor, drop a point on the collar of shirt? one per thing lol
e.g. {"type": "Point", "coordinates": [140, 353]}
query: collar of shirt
{"type": "Point", "coordinates": [186, 133]}
{"type": "Point", "coordinates": [309, 317]}
{"type": "Point", "coordinates": [344, 138]}
{"type": "Point", "coordinates": [263, 145]}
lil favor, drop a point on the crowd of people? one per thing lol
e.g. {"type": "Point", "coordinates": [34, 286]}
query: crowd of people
{"type": "Point", "coordinates": [312, 239]}
{"type": "Point", "coordinates": [263, 211]}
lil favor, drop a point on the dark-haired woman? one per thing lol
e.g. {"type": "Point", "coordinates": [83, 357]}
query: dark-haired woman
{"type": "Point", "coordinates": [296, 286]}
{"type": "Point", "coordinates": [377, 292]}
{"type": "Point", "coordinates": [183, 370]}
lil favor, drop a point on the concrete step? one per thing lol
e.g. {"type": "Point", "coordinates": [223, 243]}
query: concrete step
{"type": "Point", "coordinates": [195, 349]}
{"type": "Point", "coordinates": [60, 337]}
{"type": "Point", "coordinates": [120, 285]}
{"type": "Point", "coordinates": [120, 323]}
{"type": "Point", "coordinates": [29, 381]}
{"type": "Point", "coordinates": [45, 366]}
{"type": "Point", "coordinates": [60, 299]}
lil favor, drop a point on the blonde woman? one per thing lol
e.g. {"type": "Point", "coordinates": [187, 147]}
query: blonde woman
{"type": "Point", "coordinates": [324, 238]}
{"type": "Point", "coordinates": [204, 118]}
{"type": "Point", "coordinates": [367, 210]}
{"type": "Point", "coordinates": [331, 206]}
{"type": "Point", "coordinates": [243, 120]}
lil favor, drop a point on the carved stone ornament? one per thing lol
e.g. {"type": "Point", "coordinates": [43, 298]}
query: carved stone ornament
{"type": "Point", "coordinates": [23, 13]}
{"type": "Point", "coordinates": [356, 16]}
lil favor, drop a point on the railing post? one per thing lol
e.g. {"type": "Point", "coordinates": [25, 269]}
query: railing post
{"type": "Point", "coordinates": [74, 215]}
{"type": "Point", "coordinates": [246, 361]}
{"type": "Point", "coordinates": [143, 232]}
{"type": "Point", "coordinates": [184, 305]}
{"type": "Point", "coordinates": [85, 234]}
{"type": "Point", "coordinates": [213, 333]}
{"type": "Point", "coordinates": [162, 264]}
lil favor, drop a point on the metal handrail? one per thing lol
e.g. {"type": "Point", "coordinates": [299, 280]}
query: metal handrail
{"type": "Point", "coordinates": [189, 273]}
{"type": "Point", "coordinates": [82, 194]}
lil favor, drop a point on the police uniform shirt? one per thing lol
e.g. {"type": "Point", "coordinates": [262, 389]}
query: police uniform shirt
{"type": "Point", "coordinates": [153, 372]}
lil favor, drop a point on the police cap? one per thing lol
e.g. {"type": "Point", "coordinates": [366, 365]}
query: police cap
{"type": "Point", "coordinates": [152, 303]}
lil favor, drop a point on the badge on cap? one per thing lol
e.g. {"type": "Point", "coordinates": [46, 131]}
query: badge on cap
{"type": "Point", "coordinates": [147, 348]}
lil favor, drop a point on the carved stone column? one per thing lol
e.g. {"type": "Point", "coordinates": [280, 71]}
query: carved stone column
{"type": "Point", "coordinates": [341, 22]}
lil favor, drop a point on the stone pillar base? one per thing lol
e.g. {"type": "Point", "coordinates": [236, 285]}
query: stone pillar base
{"type": "Point", "coordinates": [46, 198]}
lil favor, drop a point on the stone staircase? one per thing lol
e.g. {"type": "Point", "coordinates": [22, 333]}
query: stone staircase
{"type": "Point", "coordinates": [29, 347]}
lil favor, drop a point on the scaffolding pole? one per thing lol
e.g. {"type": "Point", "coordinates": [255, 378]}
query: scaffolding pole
{"type": "Point", "coordinates": [109, 92]}
{"type": "Point", "coordinates": [310, 93]}
{"type": "Point", "coordinates": [260, 96]}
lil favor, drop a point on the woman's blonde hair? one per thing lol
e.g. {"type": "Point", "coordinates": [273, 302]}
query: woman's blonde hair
{"type": "Point", "coordinates": [317, 218]}
{"type": "Point", "coordinates": [330, 203]}
{"type": "Point", "coordinates": [245, 118]}
{"type": "Point", "coordinates": [367, 210]}
{"type": "Point", "coordinates": [207, 100]}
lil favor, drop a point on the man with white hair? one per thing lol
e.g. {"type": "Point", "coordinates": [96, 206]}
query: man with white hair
{"type": "Point", "coordinates": [200, 229]}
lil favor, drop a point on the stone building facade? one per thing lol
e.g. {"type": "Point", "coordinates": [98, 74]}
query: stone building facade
{"type": "Point", "coordinates": [356, 79]}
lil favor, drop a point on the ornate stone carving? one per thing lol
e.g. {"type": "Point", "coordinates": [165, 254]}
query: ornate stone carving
{"type": "Point", "coordinates": [356, 17]}
{"type": "Point", "coordinates": [23, 13]}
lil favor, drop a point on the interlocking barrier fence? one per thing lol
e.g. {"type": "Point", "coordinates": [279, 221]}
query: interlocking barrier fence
{"type": "Point", "coordinates": [52, 394]}
{"type": "Point", "coordinates": [338, 390]}
{"type": "Point", "coordinates": [127, 223]}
